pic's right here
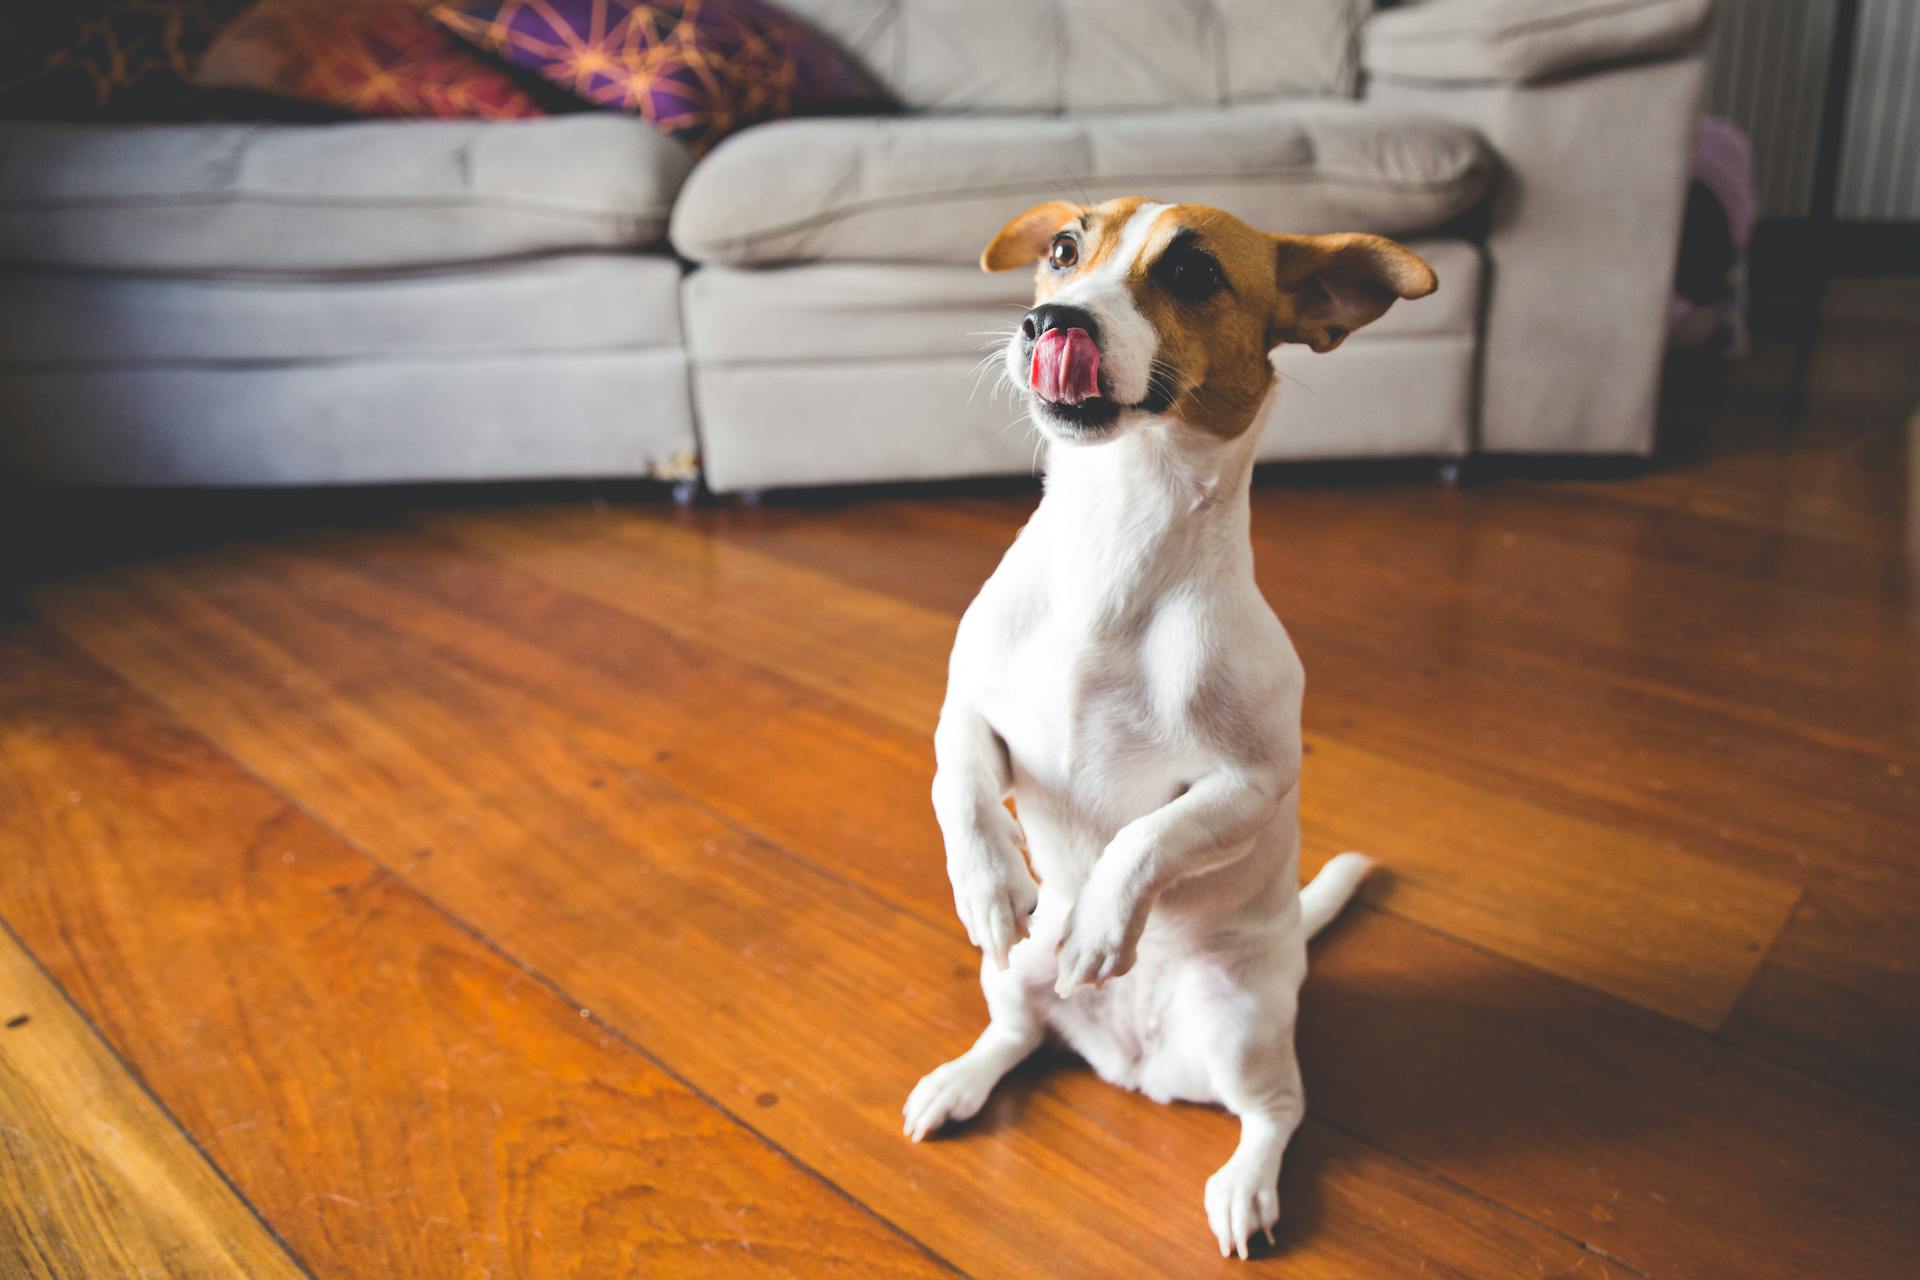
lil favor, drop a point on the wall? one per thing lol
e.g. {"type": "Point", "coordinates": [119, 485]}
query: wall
{"type": "Point", "coordinates": [1769, 73]}
{"type": "Point", "coordinates": [1880, 163]}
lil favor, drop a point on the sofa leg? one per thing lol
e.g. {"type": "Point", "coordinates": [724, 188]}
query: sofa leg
{"type": "Point", "coordinates": [1451, 472]}
{"type": "Point", "coordinates": [686, 493]}
{"type": "Point", "coordinates": [751, 497]}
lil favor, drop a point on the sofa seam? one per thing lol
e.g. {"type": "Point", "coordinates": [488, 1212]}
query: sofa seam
{"type": "Point", "coordinates": [192, 200]}
{"type": "Point", "coordinates": [1521, 26]}
{"type": "Point", "coordinates": [1557, 73]}
{"type": "Point", "coordinates": [1419, 336]}
{"type": "Point", "coordinates": [250, 364]}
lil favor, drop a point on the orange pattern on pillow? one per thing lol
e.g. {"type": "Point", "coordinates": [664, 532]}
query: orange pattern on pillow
{"type": "Point", "coordinates": [105, 59]}
{"type": "Point", "coordinates": [368, 57]}
{"type": "Point", "coordinates": [698, 70]}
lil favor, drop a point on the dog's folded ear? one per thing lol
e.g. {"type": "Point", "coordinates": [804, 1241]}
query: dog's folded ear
{"type": "Point", "coordinates": [1331, 285]}
{"type": "Point", "coordinates": [1025, 239]}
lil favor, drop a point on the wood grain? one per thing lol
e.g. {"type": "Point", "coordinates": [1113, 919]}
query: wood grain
{"type": "Point", "coordinates": [1423, 669]}
{"type": "Point", "coordinates": [97, 1181]}
{"type": "Point", "coordinates": [1643, 920]}
{"type": "Point", "coordinates": [750, 973]}
{"type": "Point", "coordinates": [1821, 451]}
{"type": "Point", "coordinates": [1769, 631]}
{"type": "Point", "coordinates": [1653, 1145]}
{"type": "Point", "coordinates": [1660, 927]}
{"type": "Point", "coordinates": [355, 687]}
{"type": "Point", "coordinates": [1642, 757]}
{"type": "Point", "coordinates": [395, 1097]}
{"type": "Point", "coordinates": [1758, 625]}
{"type": "Point", "coordinates": [1835, 996]}
{"type": "Point", "coordinates": [1838, 994]}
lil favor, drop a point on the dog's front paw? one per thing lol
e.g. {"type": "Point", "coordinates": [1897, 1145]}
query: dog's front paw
{"type": "Point", "coordinates": [993, 892]}
{"type": "Point", "coordinates": [1099, 938]}
{"type": "Point", "coordinates": [1243, 1199]}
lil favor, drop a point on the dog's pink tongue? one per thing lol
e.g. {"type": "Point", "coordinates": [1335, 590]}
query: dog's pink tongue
{"type": "Point", "coordinates": [1066, 366]}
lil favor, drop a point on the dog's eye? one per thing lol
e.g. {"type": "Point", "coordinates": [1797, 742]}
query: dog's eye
{"type": "Point", "coordinates": [1190, 275]}
{"type": "Point", "coordinates": [1065, 252]}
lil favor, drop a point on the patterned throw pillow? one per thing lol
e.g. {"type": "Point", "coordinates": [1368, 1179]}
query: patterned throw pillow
{"type": "Point", "coordinates": [106, 59]}
{"type": "Point", "coordinates": [698, 69]}
{"type": "Point", "coordinates": [365, 57]}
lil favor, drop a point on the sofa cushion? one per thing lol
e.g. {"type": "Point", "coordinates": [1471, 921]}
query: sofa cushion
{"type": "Point", "coordinates": [372, 195]}
{"type": "Point", "coordinates": [848, 310]}
{"type": "Point", "coordinates": [799, 375]}
{"type": "Point", "coordinates": [1516, 40]}
{"type": "Point", "coordinates": [1080, 55]}
{"type": "Point", "coordinates": [936, 188]}
{"type": "Point", "coordinates": [561, 302]}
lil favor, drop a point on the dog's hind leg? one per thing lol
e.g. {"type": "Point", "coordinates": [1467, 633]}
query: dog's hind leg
{"type": "Point", "coordinates": [1261, 1085]}
{"type": "Point", "coordinates": [1255, 1074]}
{"type": "Point", "coordinates": [1018, 1000]}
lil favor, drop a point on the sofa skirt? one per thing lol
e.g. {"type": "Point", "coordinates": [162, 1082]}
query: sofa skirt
{"type": "Point", "coordinates": [353, 421]}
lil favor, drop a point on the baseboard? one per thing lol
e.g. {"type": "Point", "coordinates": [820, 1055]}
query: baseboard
{"type": "Point", "coordinates": [1792, 259]}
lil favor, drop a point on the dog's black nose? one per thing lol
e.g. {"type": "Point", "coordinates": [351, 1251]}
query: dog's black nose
{"type": "Point", "coordinates": [1048, 316]}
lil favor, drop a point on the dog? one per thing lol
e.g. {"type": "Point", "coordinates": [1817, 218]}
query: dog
{"type": "Point", "coordinates": [1122, 680]}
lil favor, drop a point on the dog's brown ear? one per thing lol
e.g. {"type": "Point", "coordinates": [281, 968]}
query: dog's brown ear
{"type": "Point", "coordinates": [1026, 238]}
{"type": "Point", "coordinates": [1331, 285]}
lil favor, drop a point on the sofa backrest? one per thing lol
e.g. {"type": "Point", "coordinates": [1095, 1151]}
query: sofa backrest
{"type": "Point", "coordinates": [1080, 55]}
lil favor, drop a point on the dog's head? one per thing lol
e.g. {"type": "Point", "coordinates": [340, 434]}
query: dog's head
{"type": "Point", "coordinates": [1146, 310]}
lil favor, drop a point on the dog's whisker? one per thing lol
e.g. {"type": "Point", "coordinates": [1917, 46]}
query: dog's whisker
{"type": "Point", "coordinates": [1080, 204]}
{"type": "Point", "coordinates": [987, 364]}
{"type": "Point", "coordinates": [978, 374]}
{"type": "Point", "coordinates": [1303, 386]}
{"type": "Point", "coordinates": [986, 361]}
{"type": "Point", "coordinates": [1085, 200]}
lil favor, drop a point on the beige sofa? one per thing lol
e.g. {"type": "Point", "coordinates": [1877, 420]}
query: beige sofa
{"type": "Point", "coordinates": [409, 301]}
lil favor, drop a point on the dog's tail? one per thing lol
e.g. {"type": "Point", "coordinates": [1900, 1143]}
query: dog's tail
{"type": "Point", "coordinates": [1322, 899]}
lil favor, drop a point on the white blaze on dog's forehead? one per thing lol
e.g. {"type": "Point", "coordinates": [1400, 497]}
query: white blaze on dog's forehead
{"type": "Point", "coordinates": [1113, 267]}
{"type": "Point", "coordinates": [1133, 238]}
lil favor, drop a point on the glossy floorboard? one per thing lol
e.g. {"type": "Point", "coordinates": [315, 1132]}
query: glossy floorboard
{"type": "Point", "coordinates": [543, 884]}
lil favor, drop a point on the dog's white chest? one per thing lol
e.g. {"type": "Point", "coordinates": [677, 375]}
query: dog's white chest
{"type": "Point", "coordinates": [1103, 714]}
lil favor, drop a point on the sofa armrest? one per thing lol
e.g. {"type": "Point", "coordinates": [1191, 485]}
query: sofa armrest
{"type": "Point", "coordinates": [1590, 107]}
{"type": "Point", "coordinates": [1514, 41]}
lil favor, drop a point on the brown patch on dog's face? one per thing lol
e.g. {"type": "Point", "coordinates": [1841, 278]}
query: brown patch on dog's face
{"type": "Point", "coordinates": [1204, 282]}
{"type": "Point", "coordinates": [1191, 300]}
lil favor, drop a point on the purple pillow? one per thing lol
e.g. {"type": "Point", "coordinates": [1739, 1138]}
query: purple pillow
{"type": "Point", "coordinates": [698, 69]}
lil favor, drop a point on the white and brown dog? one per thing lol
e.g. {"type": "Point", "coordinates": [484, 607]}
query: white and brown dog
{"type": "Point", "coordinates": [1122, 679]}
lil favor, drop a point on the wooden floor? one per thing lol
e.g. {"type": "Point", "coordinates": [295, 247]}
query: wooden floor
{"type": "Point", "coordinates": [545, 885]}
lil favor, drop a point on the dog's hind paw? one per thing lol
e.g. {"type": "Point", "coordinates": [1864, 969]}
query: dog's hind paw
{"type": "Point", "coordinates": [948, 1094]}
{"type": "Point", "coordinates": [1243, 1200]}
